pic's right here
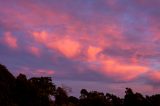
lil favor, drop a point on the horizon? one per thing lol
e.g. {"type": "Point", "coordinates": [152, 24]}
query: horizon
{"type": "Point", "coordinates": [102, 45]}
{"type": "Point", "coordinates": [69, 91]}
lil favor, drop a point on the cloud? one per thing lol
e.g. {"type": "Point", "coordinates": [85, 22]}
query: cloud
{"type": "Point", "coordinates": [102, 40]}
{"type": "Point", "coordinates": [123, 71]}
{"type": "Point", "coordinates": [117, 70]}
{"type": "Point", "coordinates": [153, 78]}
{"type": "Point", "coordinates": [35, 72]}
{"type": "Point", "coordinates": [41, 37]}
{"type": "Point", "coordinates": [34, 50]}
{"type": "Point", "coordinates": [10, 40]}
{"type": "Point", "coordinates": [92, 53]}
{"type": "Point", "coordinates": [68, 47]}
{"type": "Point", "coordinates": [44, 72]}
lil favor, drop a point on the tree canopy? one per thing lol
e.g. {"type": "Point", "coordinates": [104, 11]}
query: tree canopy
{"type": "Point", "coordinates": [40, 91]}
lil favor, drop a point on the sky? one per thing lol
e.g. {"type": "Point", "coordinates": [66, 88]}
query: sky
{"type": "Point", "coordinates": [104, 45]}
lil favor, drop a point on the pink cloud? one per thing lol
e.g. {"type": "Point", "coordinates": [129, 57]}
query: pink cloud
{"type": "Point", "coordinates": [124, 71]}
{"type": "Point", "coordinates": [35, 72]}
{"type": "Point", "coordinates": [92, 53]}
{"type": "Point", "coordinates": [44, 72]}
{"type": "Point", "coordinates": [117, 70]}
{"type": "Point", "coordinates": [110, 67]}
{"type": "Point", "coordinates": [154, 76]}
{"type": "Point", "coordinates": [77, 39]}
{"type": "Point", "coordinates": [34, 50]}
{"type": "Point", "coordinates": [10, 40]}
{"type": "Point", "coordinates": [41, 37]}
{"type": "Point", "coordinates": [68, 47]}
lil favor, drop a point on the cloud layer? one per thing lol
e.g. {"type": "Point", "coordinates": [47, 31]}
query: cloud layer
{"type": "Point", "coordinates": [83, 40]}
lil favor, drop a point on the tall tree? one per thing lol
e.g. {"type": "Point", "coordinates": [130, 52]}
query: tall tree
{"type": "Point", "coordinates": [61, 97]}
{"type": "Point", "coordinates": [7, 84]}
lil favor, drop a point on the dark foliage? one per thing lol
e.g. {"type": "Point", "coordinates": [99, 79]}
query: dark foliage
{"type": "Point", "coordinates": [40, 91]}
{"type": "Point", "coordinates": [7, 83]}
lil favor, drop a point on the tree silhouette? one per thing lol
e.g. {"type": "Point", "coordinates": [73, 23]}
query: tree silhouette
{"type": "Point", "coordinates": [135, 99]}
{"type": "Point", "coordinates": [92, 98]}
{"type": "Point", "coordinates": [84, 94]}
{"type": "Point", "coordinates": [37, 91]}
{"type": "Point", "coordinates": [61, 97]}
{"type": "Point", "coordinates": [154, 100]}
{"type": "Point", "coordinates": [43, 88]}
{"type": "Point", "coordinates": [73, 101]}
{"type": "Point", "coordinates": [129, 99]}
{"type": "Point", "coordinates": [7, 83]}
{"type": "Point", "coordinates": [22, 94]}
{"type": "Point", "coordinates": [114, 100]}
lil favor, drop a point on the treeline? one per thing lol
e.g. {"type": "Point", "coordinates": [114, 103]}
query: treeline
{"type": "Point", "coordinates": [41, 91]}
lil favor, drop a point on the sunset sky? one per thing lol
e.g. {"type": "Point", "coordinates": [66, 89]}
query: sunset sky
{"type": "Point", "coordinates": [103, 45]}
